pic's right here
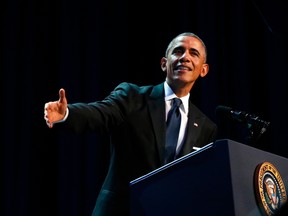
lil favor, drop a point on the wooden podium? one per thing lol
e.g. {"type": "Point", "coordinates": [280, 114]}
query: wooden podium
{"type": "Point", "coordinates": [219, 179]}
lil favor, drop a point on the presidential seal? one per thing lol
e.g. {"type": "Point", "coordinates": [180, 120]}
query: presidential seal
{"type": "Point", "coordinates": [269, 189]}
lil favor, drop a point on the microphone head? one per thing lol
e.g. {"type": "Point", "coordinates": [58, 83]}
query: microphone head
{"type": "Point", "coordinates": [224, 109]}
{"type": "Point", "coordinates": [229, 113]}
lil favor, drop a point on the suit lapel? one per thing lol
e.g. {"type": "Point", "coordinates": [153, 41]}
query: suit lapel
{"type": "Point", "coordinates": [156, 106]}
{"type": "Point", "coordinates": [195, 122]}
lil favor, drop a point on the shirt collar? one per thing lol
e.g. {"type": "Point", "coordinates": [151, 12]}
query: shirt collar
{"type": "Point", "coordinates": [169, 94]}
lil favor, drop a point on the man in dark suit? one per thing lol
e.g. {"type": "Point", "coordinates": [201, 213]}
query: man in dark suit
{"type": "Point", "coordinates": [135, 117]}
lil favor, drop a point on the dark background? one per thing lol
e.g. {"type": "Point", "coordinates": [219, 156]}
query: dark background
{"type": "Point", "coordinates": [89, 47]}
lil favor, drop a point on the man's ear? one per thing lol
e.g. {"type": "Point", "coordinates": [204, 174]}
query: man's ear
{"type": "Point", "coordinates": [205, 70]}
{"type": "Point", "coordinates": [163, 63]}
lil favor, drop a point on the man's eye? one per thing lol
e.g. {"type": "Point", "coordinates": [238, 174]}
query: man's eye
{"type": "Point", "coordinates": [195, 53]}
{"type": "Point", "coordinates": [178, 51]}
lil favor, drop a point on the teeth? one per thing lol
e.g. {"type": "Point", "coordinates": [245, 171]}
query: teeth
{"type": "Point", "coordinates": [183, 68]}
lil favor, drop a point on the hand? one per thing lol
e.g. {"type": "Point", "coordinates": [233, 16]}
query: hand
{"type": "Point", "coordinates": [56, 110]}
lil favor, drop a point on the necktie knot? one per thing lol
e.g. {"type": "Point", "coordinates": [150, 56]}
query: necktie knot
{"type": "Point", "coordinates": [177, 102]}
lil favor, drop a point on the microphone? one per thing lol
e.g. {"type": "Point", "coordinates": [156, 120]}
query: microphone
{"type": "Point", "coordinates": [241, 116]}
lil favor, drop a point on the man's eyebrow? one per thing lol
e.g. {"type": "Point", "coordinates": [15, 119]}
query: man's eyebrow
{"type": "Point", "coordinates": [178, 47]}
{"type": "Point", "coordinates": [195, 50]}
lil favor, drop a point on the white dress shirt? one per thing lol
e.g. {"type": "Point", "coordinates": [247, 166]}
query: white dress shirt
{"type": "Point", "coordinates": [169, 95]}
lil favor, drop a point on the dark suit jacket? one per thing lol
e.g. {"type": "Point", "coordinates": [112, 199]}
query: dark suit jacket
{"type": "Point", "coordinates": [135, 119]}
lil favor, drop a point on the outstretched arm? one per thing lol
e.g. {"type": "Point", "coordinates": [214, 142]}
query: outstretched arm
{"type": "Point", "coordinates": [55, 111]}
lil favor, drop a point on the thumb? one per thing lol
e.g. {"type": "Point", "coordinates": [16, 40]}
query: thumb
{"type": "Point", "coordinates": [62, 97]}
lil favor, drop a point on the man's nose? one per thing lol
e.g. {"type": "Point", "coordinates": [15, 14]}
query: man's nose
{"type": "Point", "coordinates": [184, 57]}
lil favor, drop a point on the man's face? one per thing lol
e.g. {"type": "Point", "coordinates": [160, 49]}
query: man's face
{"type": "Point", "coordinates": [185, 61]}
